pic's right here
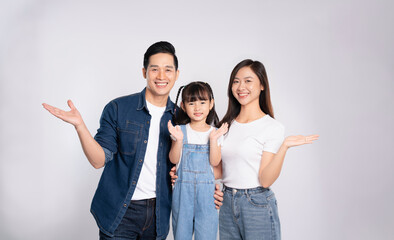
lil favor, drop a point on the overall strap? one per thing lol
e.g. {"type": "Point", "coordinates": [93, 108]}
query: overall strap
{"type": "Point", "coordinates": [183, 128]}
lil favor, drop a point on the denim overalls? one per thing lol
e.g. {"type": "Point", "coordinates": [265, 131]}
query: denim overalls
{"type": "Point", "coordinates": [193, 207]}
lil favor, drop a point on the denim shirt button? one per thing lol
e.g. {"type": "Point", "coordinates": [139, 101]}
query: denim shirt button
{"type": "Point", "coordinates": [147, 122]}
{"type": "Point", "coordinates": [140, 160]}
{"type": "Point", "coordinates": [145, 141]}
{"type": "Point", "coordinates": [125, 205]}
{"type": "Point", "coordinates": [133, 182]}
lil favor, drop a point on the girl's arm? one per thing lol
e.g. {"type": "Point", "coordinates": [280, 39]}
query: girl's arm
{"type": "Point", "coordinates": [217, 171]}
{"type": "Point", "coordinates": [175, 152]}
{"type": "Point", "coordinates": [176, 146]}
{"type": "Point", "coordinates": [215, 154]}
{"type": "Point", "coordinates": [271, 164]}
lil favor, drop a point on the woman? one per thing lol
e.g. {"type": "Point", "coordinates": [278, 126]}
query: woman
{"type": "Point", "coordinates": [252, 156]}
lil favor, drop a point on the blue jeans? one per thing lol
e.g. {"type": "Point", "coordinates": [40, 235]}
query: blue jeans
{"type": "Point", "coordinates": [139, 222]}
{"type": "Point", "coordinates": [249, 214]}
{"type": "Point", "coordinates": [193, 207]}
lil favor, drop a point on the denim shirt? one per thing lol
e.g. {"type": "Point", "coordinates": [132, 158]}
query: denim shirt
{"type": "Point", "coordinates": [124, 131]}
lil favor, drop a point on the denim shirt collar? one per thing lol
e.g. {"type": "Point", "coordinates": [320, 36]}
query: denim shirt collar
{"type": "Point", "coordinates": [142, 103]}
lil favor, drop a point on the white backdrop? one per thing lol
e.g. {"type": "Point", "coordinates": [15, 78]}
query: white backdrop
{"type": "Point", "coordinates": [330, 66]}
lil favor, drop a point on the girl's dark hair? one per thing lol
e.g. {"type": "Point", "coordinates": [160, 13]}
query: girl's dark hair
{"type": "Point", "coordinates": [234, 106]}
{"type": "Point", "coordinates": [195, 91]}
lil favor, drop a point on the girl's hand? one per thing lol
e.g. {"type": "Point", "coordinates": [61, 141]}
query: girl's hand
{"type": "Point", "coordinates": [217, 133]}
{"type": "Point", "coordinates": [176, 131]}
{"type": "Point", "coordinates": [292, 141]}
{"type": "Point", "coordinates": [73, 116]}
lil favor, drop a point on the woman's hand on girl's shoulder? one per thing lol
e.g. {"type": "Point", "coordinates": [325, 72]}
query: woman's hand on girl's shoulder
{"type": "Point", "coordinates": [292, 141]}
{"type": "Point", "coordinates": [176, 132]}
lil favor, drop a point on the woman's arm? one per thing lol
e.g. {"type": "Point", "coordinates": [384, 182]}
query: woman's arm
{"type": "Point", "coordinates": [176, 146]}
{"type": "Point", "coordinates": [271, 164]}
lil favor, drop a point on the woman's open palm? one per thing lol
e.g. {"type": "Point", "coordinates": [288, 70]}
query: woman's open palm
{"type": "Point", "coordinates": [292, 141]}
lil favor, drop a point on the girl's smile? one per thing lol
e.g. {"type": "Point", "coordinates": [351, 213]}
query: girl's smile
{"type": "Point", "coordinates": [198, 110]}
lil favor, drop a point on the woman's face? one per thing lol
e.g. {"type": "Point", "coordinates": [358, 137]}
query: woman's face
{"type": "Point", "coordinates": [246, 87]}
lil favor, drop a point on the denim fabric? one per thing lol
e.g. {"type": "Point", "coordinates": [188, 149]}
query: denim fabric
{"type": "Point", "coordinates": [193, 207]}
{"type": "Point", "coordinates": [249, 214]}
{"type": "Point", "coordinates": [108, 155]}
{"type": "Point", "coordinates": [139, 222]}
{"type": "Point", "coordinates": [124, 131]}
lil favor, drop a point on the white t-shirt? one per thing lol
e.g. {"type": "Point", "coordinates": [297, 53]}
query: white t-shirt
{"type": "Point", "coordinates": [146, 185]}
{"type": "Point", "coordinates": [243, 147]}
{"type": "Point", "coordinates": [196, 137]}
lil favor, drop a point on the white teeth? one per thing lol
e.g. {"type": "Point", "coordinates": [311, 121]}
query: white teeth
{"type": "Point", "coordinates": [242, 94]}
{"type": "Point", "coordinates": [161, 84]}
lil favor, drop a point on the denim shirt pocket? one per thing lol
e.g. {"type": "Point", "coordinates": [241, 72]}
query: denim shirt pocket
{"type": "Point", "coordinates": [129, 136]}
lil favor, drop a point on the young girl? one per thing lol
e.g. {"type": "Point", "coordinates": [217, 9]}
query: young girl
{"type": "Point", "coordinates": [252, 156]}
{"type": "Point", "coordinates": [195, 148]}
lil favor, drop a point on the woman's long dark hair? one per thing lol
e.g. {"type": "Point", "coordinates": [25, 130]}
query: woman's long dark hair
{"type": "Point", "coordinates": [195, 91]}
{"type": "Point", "coordinates": [234, 107]}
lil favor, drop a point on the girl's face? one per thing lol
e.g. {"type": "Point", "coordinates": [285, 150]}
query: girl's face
{"type": "Point", "coordinates": [246, 87]}
{"type": "Point", "coordinates": [198, 110]}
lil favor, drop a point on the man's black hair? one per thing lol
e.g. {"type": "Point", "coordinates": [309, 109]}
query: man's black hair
{"type": "Point", "coordinates": [160, 47]}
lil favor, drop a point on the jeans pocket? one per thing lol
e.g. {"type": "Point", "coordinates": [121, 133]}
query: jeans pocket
{"type": "Point", "coordinates": [271, 196]}
{"type": "Point", "coordinates": [258, 200]}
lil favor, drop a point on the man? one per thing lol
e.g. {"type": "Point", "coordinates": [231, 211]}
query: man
{"type": "Point", "coordinates": [133, 198]}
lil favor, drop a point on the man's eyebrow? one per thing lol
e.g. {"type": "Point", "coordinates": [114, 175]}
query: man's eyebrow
{"type": "Point", "coordinates": [167, 66]}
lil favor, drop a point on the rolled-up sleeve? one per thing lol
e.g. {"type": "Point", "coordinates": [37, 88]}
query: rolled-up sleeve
{"type": "Point", "coordinates": [108, 155]}
{"type": "Point", "coordinates": [106, 135]}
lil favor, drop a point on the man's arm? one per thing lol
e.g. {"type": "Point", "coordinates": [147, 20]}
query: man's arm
{"type": "Point", "coordinates": [93, 151]}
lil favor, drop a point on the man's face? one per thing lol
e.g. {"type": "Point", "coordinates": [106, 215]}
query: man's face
{"type": "Point", "coordinates": [160, 75]}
